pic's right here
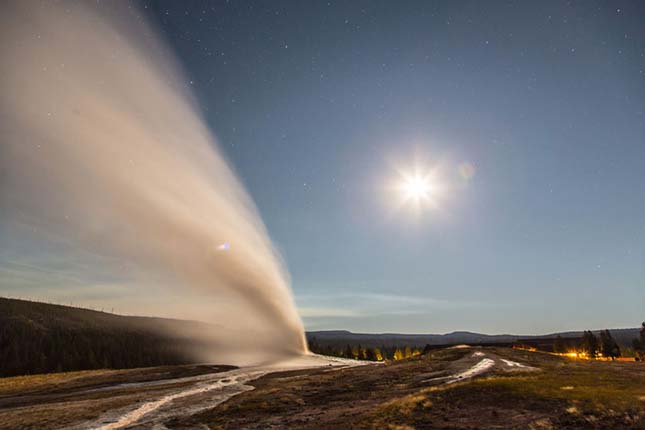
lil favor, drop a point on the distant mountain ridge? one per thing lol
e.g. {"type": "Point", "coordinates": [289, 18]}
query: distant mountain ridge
{"type": "Point", "coordinates": [623, 336]}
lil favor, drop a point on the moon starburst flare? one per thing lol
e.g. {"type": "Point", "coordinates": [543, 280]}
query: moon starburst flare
{"type": "Point", "coordinates": [418, 188]}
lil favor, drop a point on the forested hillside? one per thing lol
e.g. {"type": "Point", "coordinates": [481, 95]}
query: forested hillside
{"type": "Point", "coordinates": [40, 338]}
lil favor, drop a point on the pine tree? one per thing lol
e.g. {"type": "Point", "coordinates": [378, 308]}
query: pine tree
{"type": "Point", "coordinates": [384, 353]}
{"type": "Point", "coordinates": [313, 345]}
{"type": "Point", "coordinates": [608, 346]}
{"type": "Point", "coordinates": [348, 352]}
{"type": "Point", "coordinates": [370, 354]}
{"type": "Point", "coordinates": [378, 353]}
{"type": "Point", "coordinates": [639, 344]}
{"type": "Point", "coordinates": [558, 345]}
{"type": "Point", "coordinates": [590, 344]}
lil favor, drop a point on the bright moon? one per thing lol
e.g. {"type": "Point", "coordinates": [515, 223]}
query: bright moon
{"type": "Point", "coordinates": [416, 188]}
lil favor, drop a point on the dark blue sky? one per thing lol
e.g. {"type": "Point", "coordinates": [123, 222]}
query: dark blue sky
{"type": "Point", "coordinates": [316, 104]}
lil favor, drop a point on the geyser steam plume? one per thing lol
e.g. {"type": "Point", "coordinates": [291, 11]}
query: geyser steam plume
{"type": "Point", "coordinates": [103, 149]}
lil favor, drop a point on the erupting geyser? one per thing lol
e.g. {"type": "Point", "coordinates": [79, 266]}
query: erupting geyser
{"type": "Point", "coordinates": [103, 149]}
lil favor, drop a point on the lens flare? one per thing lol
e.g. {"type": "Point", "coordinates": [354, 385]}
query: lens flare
{"type": "Point", "coordinates": [466, 171]}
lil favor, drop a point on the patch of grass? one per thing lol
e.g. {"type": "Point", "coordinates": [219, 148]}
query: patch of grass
{"type": "Point", "coordinates": [18, 384]}
{"type": "Point", "coordinates": [600, 387]}
{"type": "Point", "coordinates": [609, 384]}
{"type": "Point", "coordinates": [566, 394]}
{"type": "Point", "coordinates": [57, 382]}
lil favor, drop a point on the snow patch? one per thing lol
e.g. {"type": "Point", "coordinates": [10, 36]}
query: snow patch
{"type": "Point", "coordinates": [477, 369]}
{"type": "Point", "coordinates": [223, 386]}
{"type": "Point", "coordinates": [231, 378]}
{"type": "Point", "coordinates": [510, 363]}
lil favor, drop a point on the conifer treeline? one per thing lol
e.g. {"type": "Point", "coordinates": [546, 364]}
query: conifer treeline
{"type": "Point", "coordinates": [604, 345]}
{"type": "Point", "coordinates": [589, 344]}
{"type": "Point", "coordinates": [358, 352]}
{"type": "Point", "coordinates": [42, 338]}
{"type": "Point", "coordinates": [639, 344]}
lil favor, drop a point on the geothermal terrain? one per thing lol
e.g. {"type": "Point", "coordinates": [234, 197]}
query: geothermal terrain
{"type": "Point", "coordinates": [451, 388]}
{"type": "Point", "coordinates": [474, 386]}
{"type": "Point", "coordinates": [113, 186]}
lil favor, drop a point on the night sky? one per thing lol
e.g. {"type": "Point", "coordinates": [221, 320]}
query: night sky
{"type": "Point", "coordinates": [531, 114]}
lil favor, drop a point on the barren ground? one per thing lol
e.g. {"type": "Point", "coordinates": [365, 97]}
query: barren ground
{"type": "Point", "coordinates": [558, 394]}
{"type": "Point", "coordinates": [457, 388]}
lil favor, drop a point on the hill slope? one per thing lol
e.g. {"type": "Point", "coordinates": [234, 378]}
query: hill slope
{"type": "Point", "coordinates": [41, 338]}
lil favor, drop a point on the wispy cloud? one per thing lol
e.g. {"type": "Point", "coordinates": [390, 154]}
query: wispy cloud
{"type": "Point", "coordinates": [335, 305]}
{"type": "Point", "coordinates": [314, 312]}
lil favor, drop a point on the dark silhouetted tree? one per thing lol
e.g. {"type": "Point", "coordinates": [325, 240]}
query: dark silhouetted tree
{"type": "Point", "coordinates": [559, 345]}
{"type": "Point", "coordinates": [608, 346]}
{"type": "Point", "coordinates": [349, 353]}
{"type": "Point", "coordinates": [639, 344]}
{"type": "Point", "coordinates": [378, 353]}
{"type": "Point", "coordinates": [360, 352]}
{"type": "Point", "coordinates": [313, 345]}
{"type": "Point", "coordinates": [384, 353]}
{"type": "Point", "coordinates": [589, 344]}
{"type": "Point", "coordinates": [370, 354]}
